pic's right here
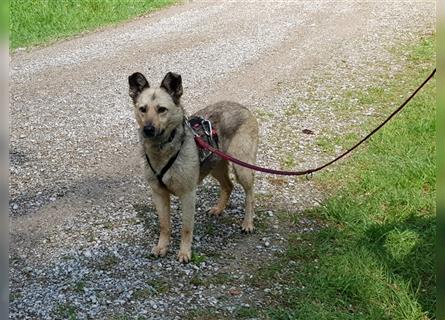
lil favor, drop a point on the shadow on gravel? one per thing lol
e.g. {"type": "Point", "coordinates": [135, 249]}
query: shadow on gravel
{"type": "Point", "coordinates": [92, 189]}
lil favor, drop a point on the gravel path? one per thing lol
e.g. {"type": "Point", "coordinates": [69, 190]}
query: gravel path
{"type": "Point", "coordinates": [82, 221]}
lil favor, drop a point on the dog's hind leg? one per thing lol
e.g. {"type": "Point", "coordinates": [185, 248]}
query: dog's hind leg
{"type": "Point", "coordinates": [246, 178]}
{"type": "Point", "coordinates": [244, 146]}
{"type": "Point", "coordinates": [221, 173]}
{"type": "Point", "coordinates": [161, 198]}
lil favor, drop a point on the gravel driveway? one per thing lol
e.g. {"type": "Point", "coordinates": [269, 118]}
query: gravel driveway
{"type": "Point", "coordinates": [82, 221]}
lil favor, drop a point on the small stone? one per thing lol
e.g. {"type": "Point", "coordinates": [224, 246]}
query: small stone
{"type": "Point", "coordinates": [87, 253]}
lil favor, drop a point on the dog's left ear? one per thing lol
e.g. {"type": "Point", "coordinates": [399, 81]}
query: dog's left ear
{"type": "Point", "coordinates": [172, 83]}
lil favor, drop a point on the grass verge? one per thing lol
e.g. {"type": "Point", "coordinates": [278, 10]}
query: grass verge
{"type": "Point", "coordinates": [35, 22]}
{"type": "Point", "coordinates": [376, 258]}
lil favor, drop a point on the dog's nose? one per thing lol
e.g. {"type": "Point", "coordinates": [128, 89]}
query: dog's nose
{"type": "Point", "coordinates": [149, 130]}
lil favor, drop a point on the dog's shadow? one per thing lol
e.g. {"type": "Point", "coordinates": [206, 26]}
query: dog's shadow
{"type": "Point", "coordinates": [210, 232]}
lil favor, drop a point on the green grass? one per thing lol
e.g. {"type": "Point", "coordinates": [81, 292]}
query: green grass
{"type": "Point", "coordinates": [376, 258]}
{"type": "Point", "coordinates": [4, 19]}
{"type": "Point", "coordinates": [35, 22]}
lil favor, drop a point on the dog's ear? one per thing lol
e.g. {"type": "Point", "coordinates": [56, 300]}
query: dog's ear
{"type": "Point", "coordinates": [172, 83]}
{"type": "Point", "coordinates": [137, 83]}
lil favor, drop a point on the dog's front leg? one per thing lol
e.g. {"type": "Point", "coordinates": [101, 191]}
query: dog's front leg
{"type": "Point", "coordinates": [161, 199]}
{"type": "Point", "coordinates": [188, 216]}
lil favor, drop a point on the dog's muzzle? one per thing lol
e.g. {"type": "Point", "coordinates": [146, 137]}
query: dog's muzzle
{"type": "Point", "coordinates": [149, 131]}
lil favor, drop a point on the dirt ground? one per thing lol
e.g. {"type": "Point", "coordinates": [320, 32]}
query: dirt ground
{"type": "Point", "coordinates": [81, 219]}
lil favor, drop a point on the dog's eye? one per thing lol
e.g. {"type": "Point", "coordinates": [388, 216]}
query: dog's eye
{"type": "Point", "coordinates": [143, 109]}
{"type": "Point", "coordinates": [162, 109]}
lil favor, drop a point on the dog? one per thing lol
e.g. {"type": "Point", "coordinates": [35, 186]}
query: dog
{"type": "Point", "coordinates": [173, 164]}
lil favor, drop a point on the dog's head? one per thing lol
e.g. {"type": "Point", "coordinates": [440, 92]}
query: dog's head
{"type": "Point", "coordinates": [158, 110]}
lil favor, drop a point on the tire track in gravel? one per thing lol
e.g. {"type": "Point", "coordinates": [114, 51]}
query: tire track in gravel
{"type": "Point", "coordinates": [82, 222]}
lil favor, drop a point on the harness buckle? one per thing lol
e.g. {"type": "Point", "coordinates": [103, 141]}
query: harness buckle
{"type": "Point", "coordinates": [207, 127]}
{"type": "Point", "coordinates": [187, 123]}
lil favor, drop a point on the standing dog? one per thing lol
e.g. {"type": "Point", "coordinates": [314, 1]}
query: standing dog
{"type": "Point", "coordinates": [173, 165]}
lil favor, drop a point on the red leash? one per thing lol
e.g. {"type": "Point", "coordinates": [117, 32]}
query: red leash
{"type": "Point", "coordinates": [204, 145]}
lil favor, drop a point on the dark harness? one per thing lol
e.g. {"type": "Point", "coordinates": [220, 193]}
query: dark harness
{"type": "Point", "coordinates": [170, 162]}
{"type": "Point", "coordinates": [203, 128]}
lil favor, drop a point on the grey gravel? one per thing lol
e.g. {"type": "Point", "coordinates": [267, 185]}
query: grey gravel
{"type": "Point", "coordinates": [82, 221]}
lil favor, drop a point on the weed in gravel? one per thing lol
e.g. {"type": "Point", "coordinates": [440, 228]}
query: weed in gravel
{"type": "Point", "coordinates": [227, 219]}
{"type": "Point", "coordinates": [293, 111]}
{"type": "Point", "coordinates": [214, 254]}
{"type": "Point", "coordinates": [125, 317]}
{"type": "Point", "coordinates": [15, 296]}
{"type": "Point", "coordinates": [288, 161]}
{"type": "Point", "coordinates": [144, 293]}
{"type": "Point", "coordinates": [107, 262]}
{"type": "Point", "coordinates": [263, 115]}
{"type": "Point", "coordinates": [219, 279]}
{"type": "Point", "coordinates": [261, 225]}
{"type": "Point", "coordinates": [65, 311]}
{"type": "Point", "coordinates": [79, 286]}
{"type": "Point", "coordinates": [216, 279]}
{"type": "Point", "coordinates": [159, 286]}
{"type": "Point", "coordinates": [197, 281]}
{"type": "Point", "coordinates": [197, 259]}
{"type": "Point", "coordinates": [246, 312]}
{"type": "Point", "coordinates": [204, 314]}
{"type": "Point", "coordinates": [134, 221]}
{"type": "Point", "coordinates": [108, 225]}
{"type": "Point", "coordinates": [210, 229]}
{"type": "Point", "coordinates": [277, 181]}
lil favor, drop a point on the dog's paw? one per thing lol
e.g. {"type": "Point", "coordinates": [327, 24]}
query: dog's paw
{"type": "Point", "coordinates": [184, 256]}
{"type": "Point", "coordinates": [247, 227]}
{"type": "Point", "coordinates": [159, 251]}
{"type": "Point", "coordinates": [216, 211]}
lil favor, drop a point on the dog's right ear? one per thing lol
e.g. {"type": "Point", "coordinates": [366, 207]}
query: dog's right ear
{"type": "Point", "coordinates": [137, 84]}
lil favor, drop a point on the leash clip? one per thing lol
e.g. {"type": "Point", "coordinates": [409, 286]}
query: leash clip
{"type": "Point", "coordinates": [207, 126]}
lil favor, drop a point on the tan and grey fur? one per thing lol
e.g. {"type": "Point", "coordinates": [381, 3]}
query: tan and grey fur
{"type": "Point", "coordinates": [161, 118]}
